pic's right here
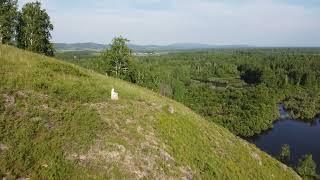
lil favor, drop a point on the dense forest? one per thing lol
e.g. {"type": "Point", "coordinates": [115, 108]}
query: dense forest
{"type": "Point", "coordinates": [239, 89]}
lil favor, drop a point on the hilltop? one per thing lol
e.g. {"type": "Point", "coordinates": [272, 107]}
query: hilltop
{"type": "Point", "coordinates": [57, 121]}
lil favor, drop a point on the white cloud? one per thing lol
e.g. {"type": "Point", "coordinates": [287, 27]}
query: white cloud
{"type": "Point", "coordinates": [255, 22]}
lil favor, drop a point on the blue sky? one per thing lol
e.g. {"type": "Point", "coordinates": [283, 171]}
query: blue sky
{"type": "Point", "coordinates": [221, 22]}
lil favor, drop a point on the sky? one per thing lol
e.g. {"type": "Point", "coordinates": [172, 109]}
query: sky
{"type": "Point", "coordinates": [216, 22]}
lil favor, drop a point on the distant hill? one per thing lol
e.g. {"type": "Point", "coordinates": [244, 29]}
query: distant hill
{"type": "Point", "coordinates": [79, 46]}
{"type": "Point", "coordinates": [57, 122]}
{"type": "Point", "coordinates": [141, 48]}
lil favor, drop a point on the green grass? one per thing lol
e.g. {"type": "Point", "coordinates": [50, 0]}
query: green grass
{"type": "Point", "coordinates": [57, 122]}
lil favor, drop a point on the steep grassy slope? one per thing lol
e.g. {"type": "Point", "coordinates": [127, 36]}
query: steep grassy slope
{"type": "Point", "coordinates": [57, 121]}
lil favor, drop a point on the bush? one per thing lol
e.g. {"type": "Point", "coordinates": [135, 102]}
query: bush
{"type": "Point", "coordinates": [307, 167]}
{"type": "Point", "coordinates": [285, 153]}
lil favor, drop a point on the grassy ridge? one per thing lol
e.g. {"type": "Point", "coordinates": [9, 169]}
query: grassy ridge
{"type": "Point", "coordinates": [56, 121]}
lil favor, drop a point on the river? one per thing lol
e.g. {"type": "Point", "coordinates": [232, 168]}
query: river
{"type": "Point", "coordinates": [303, 138]}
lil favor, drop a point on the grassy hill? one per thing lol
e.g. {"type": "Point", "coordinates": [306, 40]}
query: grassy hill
{"type": "Point", "coordinates": [57, 121]}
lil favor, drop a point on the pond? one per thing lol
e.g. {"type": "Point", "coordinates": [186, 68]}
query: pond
{"type": "Point", "coordinates": [303, 138]}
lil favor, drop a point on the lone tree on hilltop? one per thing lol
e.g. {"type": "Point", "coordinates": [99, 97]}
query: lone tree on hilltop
{"type": "Point", "coordinates": [118, 56]}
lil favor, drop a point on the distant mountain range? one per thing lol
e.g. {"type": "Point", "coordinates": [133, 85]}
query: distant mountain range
{"type": "Point", "coordinates": [141, 48]}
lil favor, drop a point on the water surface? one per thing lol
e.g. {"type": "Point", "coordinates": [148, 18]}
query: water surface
{"type": "Point", "coordinates": [303, 138]}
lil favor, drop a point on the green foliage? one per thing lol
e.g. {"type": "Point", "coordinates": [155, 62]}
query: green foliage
{"type": "Point", "coordinates": [285, 153]}
{"type": "Point", "coordinates": [8, 21]}
{"type": "Point", "coordinates": [307, 167]}
{"type": "Point", "coordinates": [118, 56]}
{"type": "Point", "coordinates": [28, 29]}
{"type": "Point", "coordinates": [34, 29]}
{"type": "Point", "coordinates": [303, 103]}
{"type": "Point", "coordinates": [238, 89]}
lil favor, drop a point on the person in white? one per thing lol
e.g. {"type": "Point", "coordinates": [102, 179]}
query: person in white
{"type": "Point", "coordinates": [114, 95]}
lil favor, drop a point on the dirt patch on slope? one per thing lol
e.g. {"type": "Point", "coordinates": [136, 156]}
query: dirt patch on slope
{"type": "Point", "coordinates": [130, 144]}
{"type": "Point", "coordinates": [8, 100]}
